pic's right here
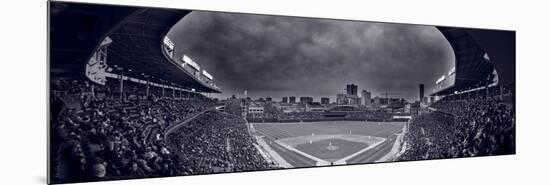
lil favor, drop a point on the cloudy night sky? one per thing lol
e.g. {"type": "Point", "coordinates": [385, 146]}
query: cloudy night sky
{"type": "Point", "coordinates": [276, 56]}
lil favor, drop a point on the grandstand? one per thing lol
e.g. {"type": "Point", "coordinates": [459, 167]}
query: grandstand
{"type": "Point", "coordinates": [136, 36]}
{"type": "Point", "coordinates": [478, 72]}
{"type": "Point", "coordinates": [123, 106]}
{"type": "Point", "coordinates": [475, 113]}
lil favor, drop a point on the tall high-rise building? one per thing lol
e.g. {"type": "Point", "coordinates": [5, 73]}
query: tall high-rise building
{"type": "Point", "coordinates": [366, 96]}
{"type": "Point", "coordinates": [325, 100]}
{"type": "Point", "coordinates": [351, 89]}
{"type": "Point", "coordinates": [350, 97]}
{"type": "Point", "coordinates": [292, 99]}
{"type": "Point", "coordinates": [421, 87]}
{"type": "Point", "coordinates": [285, 99]}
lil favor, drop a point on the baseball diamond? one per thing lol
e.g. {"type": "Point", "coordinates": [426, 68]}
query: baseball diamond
{"type": "Point", "coordinates": [328, 142]}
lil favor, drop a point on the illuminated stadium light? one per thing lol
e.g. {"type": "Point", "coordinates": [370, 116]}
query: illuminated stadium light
{"type": "Point", "coordinates": [168, 43]}
{"type": "Point", "coordinates": [452, 71]}
{"type": "Point", "coordinates": [440, 79]}
{"type": "Point", "coordinates": [207, 75]}
{"type": "Point", "coordinates": [192, 63]}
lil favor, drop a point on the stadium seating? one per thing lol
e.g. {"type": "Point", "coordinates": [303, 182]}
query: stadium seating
{"type": "Point", "coordinates": [101, 136]}
{"type": "Point", "coordinates": [462, 128]}
{"type": "Point", "coordinates": [216, 142]}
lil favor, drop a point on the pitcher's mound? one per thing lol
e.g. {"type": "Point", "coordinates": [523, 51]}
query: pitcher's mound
{"type": "Point", "coordinates": [332, 147]}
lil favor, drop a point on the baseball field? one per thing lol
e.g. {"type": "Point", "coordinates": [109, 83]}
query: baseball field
{"type": "Point", "coordinates": [305, 144]}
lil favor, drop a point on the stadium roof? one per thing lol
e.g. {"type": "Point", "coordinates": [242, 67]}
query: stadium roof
{"type": "Point", "coordinates": [76, 30]}
{"type": "Point", "coordinates": [471, 65]}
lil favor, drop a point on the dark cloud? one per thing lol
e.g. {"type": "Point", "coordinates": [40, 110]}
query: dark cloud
{"type": "Point", "coordinates": [279, 56]}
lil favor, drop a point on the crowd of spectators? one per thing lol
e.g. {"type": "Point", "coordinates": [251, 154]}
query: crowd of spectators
{"type": "Point", "coordinates": [101, 136]}
{"type": "Point", "coordinates": [216, 142]}
{"type": "Point", "coordinates": [464, 128]}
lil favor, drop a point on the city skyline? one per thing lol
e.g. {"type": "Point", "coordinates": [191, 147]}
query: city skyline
{"type": "Point", "coordinates": [332, 99]}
